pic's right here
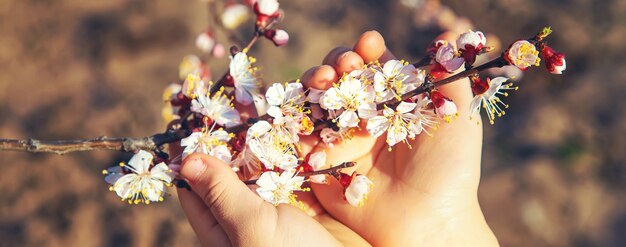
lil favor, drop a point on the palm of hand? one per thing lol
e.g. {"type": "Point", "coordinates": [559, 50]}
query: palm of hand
{"type": "Point", "coordinates": [422, 196]}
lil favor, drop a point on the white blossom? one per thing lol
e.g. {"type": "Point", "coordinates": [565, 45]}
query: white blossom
{"type": "Point", "coordinates": [141, 184]}
{"type": "Point", "coordinates": [350, 97]}
{"type": "Point", "coordinates": [399, 124]}
{"type": "Point", "coordinates": [244, 77]}
{"type": "Point", "coordinates": [212, 143]}
{"type": "Point", "coordinates": [523, 54]}
{"type": "Point", "coordinates": [277, 189]}
{"type": "Point", "coordinates": [329, 136]}
{"type": "Point", "coordinates": [395, 79]}
{"type": "Point", "coordinates": [268, 7]}
{"type": "Point", "coordinates": [272, 155]}
{"type": "Point", "coordinates": [285, 101]}
{"type": "Point", "coordinates": [425, 117]}
{"type": "Point", "coordinates": [356, 193]}
{"type": "Point", "coordinates": [444, 107]}
{"type": "Point", "coordinates": [317, 161]}
{"type": "Point", "coordinates": [193, 86]}
{"type": "Point", "coordinates": [219, 108]}
{"type": "Point", "coordinates": [286, 106]}
{"type": "Point", "coordinates": [284, 130]}
{"type": "Point", "coordinates": [489, 99]}
{"type": "Point", "coordinates": [314, 95]}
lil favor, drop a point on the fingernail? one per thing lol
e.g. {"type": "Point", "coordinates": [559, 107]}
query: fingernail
{"type": "Point", "coordinates": [192, 168]}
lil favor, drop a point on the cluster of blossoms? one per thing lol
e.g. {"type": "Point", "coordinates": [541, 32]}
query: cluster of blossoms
{"type": "Point", "coordinates": [396, 99]}
{"type": "Point", "coordinates": [234, 15]}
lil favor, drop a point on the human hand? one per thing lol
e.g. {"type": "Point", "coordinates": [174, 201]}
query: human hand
{"type": "Point", "coordinates": [422, 196]}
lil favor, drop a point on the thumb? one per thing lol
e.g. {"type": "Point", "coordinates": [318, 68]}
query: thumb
{"type": "Point", "coordinates": [238, 210]}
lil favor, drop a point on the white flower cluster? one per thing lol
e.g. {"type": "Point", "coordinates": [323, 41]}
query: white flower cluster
{"type": "Point", "coordinates": [359, 94]}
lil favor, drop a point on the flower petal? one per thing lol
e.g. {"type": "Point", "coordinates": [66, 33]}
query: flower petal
{"type": "Point", "coordinates": [275, 94]}
{"type": "Point", "coordinates": [318, 160]}
{"type": "Point", "coordinates": [405, 107]}
{"type": "Point", "coordinates": [331, 99]}
{"type": "Point", "coordinates": [367, 110]}
{"type": "Point", "coordinates": [348, 119]}
{"type": "Point", "coordinates": [376, 126]}
{"type": "Point", "coordinates": [141, 161]}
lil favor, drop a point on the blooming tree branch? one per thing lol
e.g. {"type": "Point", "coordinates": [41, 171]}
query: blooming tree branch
{"type": "Point", "coordinates": [128, 144]}
{"type": "Point", "coordinates": [396, 99]}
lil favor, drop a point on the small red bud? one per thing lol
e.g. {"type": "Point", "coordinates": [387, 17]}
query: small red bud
{"type": "Point", "coordinates": [345, 179]}
{"type": "Point", "coordinates": [479, 86]}
{"type": "Point", "coordinates": [555, 62]}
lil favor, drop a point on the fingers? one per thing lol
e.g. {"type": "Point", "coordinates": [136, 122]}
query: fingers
{"type": "Point", "coordinates": [347, 62]}
{"type": "Point", "coordinates": [206, 227]}
{"type": "Point", "coordinates": [320, 77]}
{"type": "Point", "coordinates": [331, 57]}
{"type": "Point", "coordinates": [370, 46]}
{"type": "Point", "coordinates": [201, 219]}
{"type": "Point", "coordinates": [238, 210]}
{"type": "Point", "coordinates": [344, 234]}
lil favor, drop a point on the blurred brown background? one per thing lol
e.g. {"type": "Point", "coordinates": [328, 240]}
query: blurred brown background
{"type": "Point", "coordinates": [554, 167]}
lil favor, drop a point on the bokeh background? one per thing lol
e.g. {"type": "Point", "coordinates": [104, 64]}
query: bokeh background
{"type": "Point", "coordinates": [554, 170]}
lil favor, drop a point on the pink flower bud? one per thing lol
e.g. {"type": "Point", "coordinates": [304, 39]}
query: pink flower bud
{"type": "Point", "coordinates": [471, 40]}
{"type": "Point", "coordinates": [555, 62]}
{"type": "Point", "coordinates": [279, 37]}
{"type": "Point", "coordinates": [219, 51]}
{"type": "Point", "coordinates": [470, 44]}
{"type": "Point", "coordinates": [447, 58]}
{"type": "Point", "coordinates": [444, 107]}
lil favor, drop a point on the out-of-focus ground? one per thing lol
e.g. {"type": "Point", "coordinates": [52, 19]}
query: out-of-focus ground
{"type": "Point", "coordinates": [554, 170]}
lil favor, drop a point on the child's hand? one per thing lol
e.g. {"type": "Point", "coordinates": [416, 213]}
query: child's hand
{"type": "Point", "coordinates": [424, 196]}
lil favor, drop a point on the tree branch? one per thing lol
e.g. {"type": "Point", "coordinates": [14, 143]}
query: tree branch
{"type": "Point", "coordinates": [125, 144]}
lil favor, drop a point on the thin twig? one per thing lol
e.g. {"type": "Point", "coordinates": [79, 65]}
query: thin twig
{"type": "Point", "coordinates": [331, 170]}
